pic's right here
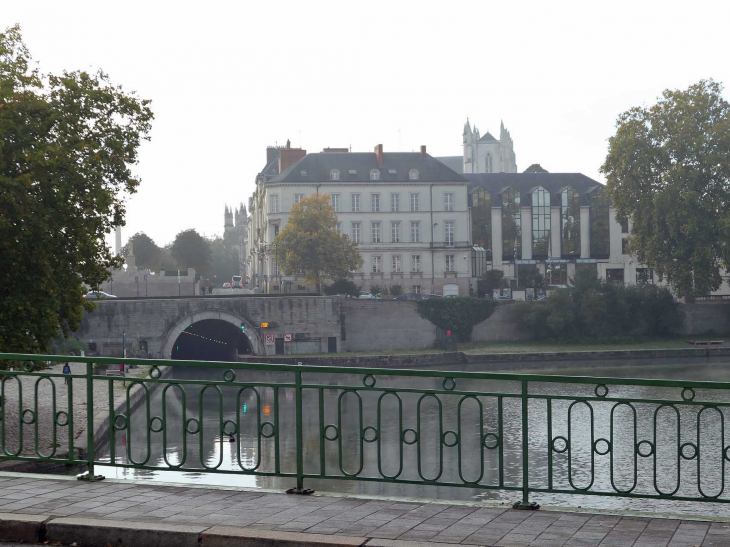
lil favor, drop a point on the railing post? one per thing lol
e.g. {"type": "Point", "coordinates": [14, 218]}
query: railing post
{"type": "Point", "coordinates": [300, 437]}
{"type": "Point", "coordinates": [525, 502]}
{"type": "Point", "coordinates": [89, 475]}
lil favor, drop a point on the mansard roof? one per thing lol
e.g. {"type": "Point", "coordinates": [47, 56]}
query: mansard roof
{"type": "Point", "coordinates": [356, 167]}
{"type": "Point", "coordinates": [455, 163]}
{"type": "Point", "coordinates": [526, 183]}
{"type": "Point", "coordinates": [488, 137]}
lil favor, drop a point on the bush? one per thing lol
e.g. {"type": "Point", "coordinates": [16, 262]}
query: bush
{"type": "Point", "coordinates": [342, 286]}
{"type": "Point", "coordinates": [458, 315]}
{"type": "Point", "coordinates": [375, 290]}
{"type": "Point", "coordinates": [493, 279]}
{"type": "Point", "coordinates": [396, 290]}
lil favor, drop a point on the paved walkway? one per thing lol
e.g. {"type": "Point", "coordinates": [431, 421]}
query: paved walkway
{"type": "Point", "coordinates": [326, 519]}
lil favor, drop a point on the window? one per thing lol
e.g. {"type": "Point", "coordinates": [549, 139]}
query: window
{"type": "Point", "coordinates": [488, 165]}
{"type": "Point", "coordinates": [600, 239]}
{"type": "Point", "coordinates": [481, 219]}
{"type": "Point", "coordinates": [448, 202]}
{"type": "Point", "coordinates": [303, 173]}
{"type": "Point", "coordinates": [376, 264]}
{"type": "Point", "coordinates": [374, 174]}
{"type": "Point", "coordinates": [540, 223]}
{"type": "Point", "coordinates": [375, 203]}
{"type": "Point", "coordinates": [414, 202]}
{"type": "Point", "coordinates": [355, 203]}
{"type": "Point", "coordinates": [355, 232]}
{"type": "Point", "coordinates": [335, 202]}
{"type": "Point", "coordinates": [298, 198]}
{"type": "Point", "coordinates": [338, 228]}
{"type": "Point", "coordinates": [625, 247]}
{"type": "Point", "coordinates": [413, 174]}
{"type": "Point", "coordinates": [450, 263]}
{"type": "Point", "coordinates": [570, 222]}
{"type": "Point", "coordinates": [334, 174]}
{"type": "Point", "coordinates": [276, 230]}
{"type": "Point", "coordinates": [511, 225]}
{"type": "Point", "coordinates": [416, 289]}
{"type": "Point", "coordinates": [395, 202]}
{"type": "Point", "coordinates": [274, 204]}
{"type": "Point", "coordinates": [395, 263]}
{"type": "Point", "coordinates": [644, 275]}
{"type": "Point", "coordinates": [615, 275]}
{"type": "Point", "coordinates": [624, 222]}
{"type": "Point", "coordinates": [415, 263]}
{"type": "Point", "coordinates": [415, 232]}
{"type": "Point", "coordinates": [449, 234]}
{"type": "Point", "coordinates": [375, 229]}
{"type": "Point", "coordinates": [395, 232]}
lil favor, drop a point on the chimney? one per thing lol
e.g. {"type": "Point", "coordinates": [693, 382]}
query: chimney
{"type": "Point", "coordinates": [271, 152]}
{"type": "Point", "coordinates": [423, 150]}
{"type": "Point", "coordinates": [379, 154]}
{"type": "Point", "coordinates": [289, 156]}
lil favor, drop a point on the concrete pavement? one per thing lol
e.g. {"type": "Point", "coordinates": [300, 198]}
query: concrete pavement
{"type": "Point", "coordinates": [57, 509]}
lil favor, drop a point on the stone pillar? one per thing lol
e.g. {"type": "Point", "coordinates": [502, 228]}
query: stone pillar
{"type": "Point", "coordinates": [526, 227]}
{"type": "Point", "coordinates": [585, 231]}
{"type": "Point", "coordinates": [555, 232]}
{"type": "Point", "coordinates": [496, 237]}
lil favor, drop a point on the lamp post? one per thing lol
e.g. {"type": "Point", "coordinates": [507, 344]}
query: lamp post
{"type": "Point", "coordinates": [276, 266]}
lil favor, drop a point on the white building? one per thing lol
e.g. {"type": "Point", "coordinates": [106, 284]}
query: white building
{"type": "Point", "coordinates": [407, 211]}
{"type": "Point", "coordinates": [484, 153]}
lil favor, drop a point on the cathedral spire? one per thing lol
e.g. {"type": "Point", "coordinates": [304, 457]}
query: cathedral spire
{"type": "Point", "coordinates": [467, 127]}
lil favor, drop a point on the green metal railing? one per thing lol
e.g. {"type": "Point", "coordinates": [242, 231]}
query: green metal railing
{"type": "Point", "coordinates": [634, 438]}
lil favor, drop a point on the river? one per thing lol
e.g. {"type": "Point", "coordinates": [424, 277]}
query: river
{"type": "Point", "coordinates": [478, 416]}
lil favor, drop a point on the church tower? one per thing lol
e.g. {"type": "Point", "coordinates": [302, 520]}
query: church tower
{"type": "Point", "coordinates": [227, 220]}
{"type": "Point", "coordinates": [487, 154]}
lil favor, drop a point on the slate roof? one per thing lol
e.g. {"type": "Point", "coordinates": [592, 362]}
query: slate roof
{"type": "Point", "coordinates": [272, 169]}
{"type": "Point", "coordinates": [396, 168]}
{"type": "Point", "coordinates": [526, 183]}
{"type": "Point", "coordinates": [488, 137]}
{"type": "Point", "coordinates": [455, 163]}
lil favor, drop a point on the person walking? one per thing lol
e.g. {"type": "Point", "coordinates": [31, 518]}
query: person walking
{"type": "Point", "coordinates": [66, 370]}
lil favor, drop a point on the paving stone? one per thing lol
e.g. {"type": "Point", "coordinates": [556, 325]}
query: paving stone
{"type": "Point", "coordinates": [227, 536]}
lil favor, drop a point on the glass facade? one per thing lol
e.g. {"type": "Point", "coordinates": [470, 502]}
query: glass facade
{"type": "Point", "coordinates": [481, 219]}
{"type": "Point", "coordinates": [570, 222]}
{"type": "Point", "coordinates": [540, 223]}
{"type": "Point", "coordinates": [511, 227]}
{"type": "Point", "coordinates": [600, 238]}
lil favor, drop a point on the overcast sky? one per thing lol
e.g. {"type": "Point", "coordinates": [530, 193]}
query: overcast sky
{"type": "Point", "coordinates": [226, 79]}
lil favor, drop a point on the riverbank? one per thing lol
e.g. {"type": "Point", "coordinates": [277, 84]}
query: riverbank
{"type": "Point", "coordinates": [61, 510]}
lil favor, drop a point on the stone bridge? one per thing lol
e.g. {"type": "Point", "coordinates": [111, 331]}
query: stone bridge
{"type": "Point", "coordinates": [216, 327]}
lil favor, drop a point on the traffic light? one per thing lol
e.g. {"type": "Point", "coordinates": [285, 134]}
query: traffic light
{"type": "Point", "coordinates": [243, 326]}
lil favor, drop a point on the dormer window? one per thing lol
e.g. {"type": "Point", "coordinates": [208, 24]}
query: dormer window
{"type": "Point", "coordinates": [303, 173]}
{"type": "Point", "coordinates": [352, 172]}
{"type": "Point", "coordinates": [335, 174]}
{"type": "Point", "coordinates": [374, 174]}
{"type": "Point", "coordinates": [413, 174]}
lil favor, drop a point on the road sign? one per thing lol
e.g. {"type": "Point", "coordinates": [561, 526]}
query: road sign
{"type": "Point", "coordinates": [255, 275]}
{"type": "Point", "coordinates": [288, 337]}
{"type": "Point", "coordinates": [269, 338]}
{"type": "Point", "coordinates": [266, 276]}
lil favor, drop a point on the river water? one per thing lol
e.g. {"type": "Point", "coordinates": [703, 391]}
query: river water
{"type": "Point", "coordinates": [601, 469]}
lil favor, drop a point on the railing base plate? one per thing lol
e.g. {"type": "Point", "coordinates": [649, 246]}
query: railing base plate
{"type": "Point", "coordinates": [532, 506]}
{"type": "Point", "coordinates": [89, 478]}
{"type": "Point", "coordinates": [300, 491]}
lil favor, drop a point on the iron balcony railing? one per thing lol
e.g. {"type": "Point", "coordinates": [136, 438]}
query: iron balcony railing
{"type": "Point", "coordinates": [634, 438]}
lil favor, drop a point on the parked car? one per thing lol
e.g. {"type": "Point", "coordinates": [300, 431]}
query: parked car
{"type": "Point", "coordinates": [503, 299]}
{"type": "Point", "coordinates": [409, 296]}
{"type": "Point", "coordinates": [226, 285]}
{"type": "Point", "coordinates": [98, 295]}
{"type": "Point", "coordinates": [366, 295]}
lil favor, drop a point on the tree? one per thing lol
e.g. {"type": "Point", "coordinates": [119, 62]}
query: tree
{"type": "Point", "coordinates": [535, 168]}
{"type": "Point", "coordinates": [376, 290]}
{"type": "Point", "coordinates": [343, 286]}
{"type": "Point", "coordinates": [492, 279]}
{"type": "Point", "coordinates": [667, 170]}
{"type": "Point", "coordinates": [191, 250]}
{"type": "Point", "coordinates": [396, 290]}
{"type": "Point", "coordinates": [224, 261]}
{"type": "Point", "coordinates": [67, 146]}
{"type": "Point", "coordinates": [531, 277]}
{"type": "Point", "coordinates": [309, 244]}
{"type": "Point", "coordinates": [456, 314]}
{"type": "Point", "coordinates": [147, 254]}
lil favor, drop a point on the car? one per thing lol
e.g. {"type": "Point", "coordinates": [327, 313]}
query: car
{"type": "Point", "coordinates": [503, 299]}
{"type": "Point", "coordinates": [366, 295]}
{"type": "Point", "coordinates": [432, 296]}
{"type": "Point", "coordinates": [98, 295]}
{"type": "Point", "coordinates": [226, 285]}
{"type": "Point", "coordinates": [409, 296]}
{"type": "Point", "coordinates": [237, 282]}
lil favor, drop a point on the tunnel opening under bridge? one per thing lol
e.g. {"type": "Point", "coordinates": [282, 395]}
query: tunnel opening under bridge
{"type": "Point", "coordinates": [211, 340]}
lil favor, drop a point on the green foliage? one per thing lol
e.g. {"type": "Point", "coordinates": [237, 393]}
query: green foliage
{"type": "Point", "coordinates": [147, 254]}
{"type": "Point", "coordinates": [591, 310]}
{"type": "Point", "coordinates": [535, 168]}
{"type": "Point", "coordinates": [309, 243]}
{"type": "Point", "coordinates": [667, 170]}
{"type": "Point", "coordinates": [396, 290]}
{"type": "Point", "coordinates": [531, 277]}
{"type": "Point", "coordinates": [492, 279]}
{"type": "Point", "coordinates": [224, 261]}
{"type": "Point", "coordinates": [65, 346]}
{"type": "Point", "coordinates": [191, 250]}
{"type": "Point", "coordinates": [376, 290]}
{"type": "Point", "coordinates": [343, 286]}
{"type": "Point", "coordinates": [458, 315]}
{"type": "Point", "coordinates": [67, 145]}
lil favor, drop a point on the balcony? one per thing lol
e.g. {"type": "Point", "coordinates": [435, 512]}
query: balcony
{"type": "Point", "coordinates": [454, 245]}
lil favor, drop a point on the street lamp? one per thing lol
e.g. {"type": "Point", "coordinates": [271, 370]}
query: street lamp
{"type": "Point", "coordinates": [276, 267]}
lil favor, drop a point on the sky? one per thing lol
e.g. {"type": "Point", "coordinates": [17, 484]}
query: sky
{"type": "Point", "coordinates": [228, 79]}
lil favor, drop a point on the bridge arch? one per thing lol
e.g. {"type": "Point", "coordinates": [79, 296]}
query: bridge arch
{"type": "Point", "coordinates": [253, 336]}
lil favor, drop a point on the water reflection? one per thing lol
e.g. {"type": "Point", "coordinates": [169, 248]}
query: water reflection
{"type": "Point", "coordinates": [462, 439]}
